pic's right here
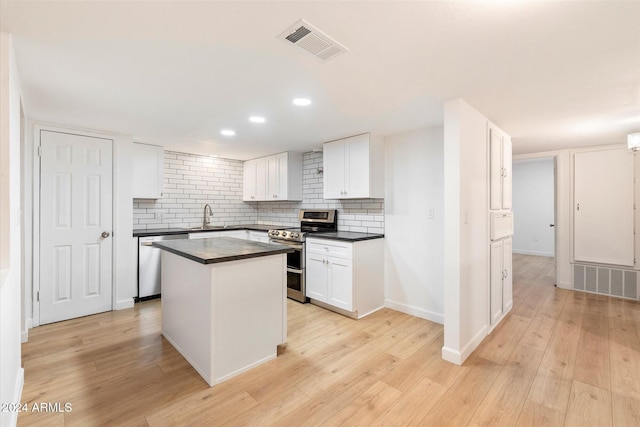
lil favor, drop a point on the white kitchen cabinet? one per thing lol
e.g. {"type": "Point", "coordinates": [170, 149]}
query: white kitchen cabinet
{"type": "Point", "coordinates": [258, 236]}
{"type": "Point", "coordinates": [345, 277]}
{"type": "Point", "coordinates": [255, 180]}
{"type": "Point", "coordinates": [239, 234]}
{"type": "Point", "coordinates": [603, 211]}
{"type": "Point", "coordinates": [147, 171]}
{"type": "Point", "coordinates": [500, 169]}
{"type": "Point", "coordinates": [317, 276]}
{"type": "Point", "coordinates": [501, 225]}
{"type": "Point", "coordinates": [354, 167]}
{"type": "Point", "coordinates": [273, 178]}
{"type": "Point", "coordinates": [501, 283]}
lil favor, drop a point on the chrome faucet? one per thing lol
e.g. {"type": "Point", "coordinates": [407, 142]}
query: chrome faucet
{"type": "Point", "coordinates": [206, 219]}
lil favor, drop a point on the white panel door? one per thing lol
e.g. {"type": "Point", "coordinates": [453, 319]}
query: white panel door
{"type": "Point", "coordinates": [277, 177]}
{"type": "Point", "coordinates": [147, 181]}
{"type": "Point", "coordinates": [261, 179]}
{"type": "Point", "coordinates": [497, 274]}
{"type": "Point", "coordinates": [75, 211]}
{"type": "Point", "coordinates": [316, 277]}
{"type": "Point", "coordinates": [249, 181]}
{"type": "Point", "coordinates": [507, 282]}
{"type": "Point", "coordinates": [282, 160]}
{"type": "Point", "coordinates": [603, 207]}
{"type": "Point", "coordinates": [507, 168]}
{"type": "Point", "coordinates": [357, 163]}
{"type": "Point", "coordinates": [495, 169]}
{"type": "Point", "coordinates": [340, 283]}
{"type": "Point", "coordinates": [333, 164]}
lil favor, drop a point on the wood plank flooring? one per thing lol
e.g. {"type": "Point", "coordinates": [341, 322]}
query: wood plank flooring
{"type": "Point", "coordinates": [559, 358]}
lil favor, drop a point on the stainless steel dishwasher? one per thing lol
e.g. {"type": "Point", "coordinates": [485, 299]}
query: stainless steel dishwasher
{"type": "Point", "coordinates": [150, 265]}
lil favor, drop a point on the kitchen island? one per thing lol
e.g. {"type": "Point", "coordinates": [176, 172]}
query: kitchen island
{"type": "Point", "coordinates": [224, 303]}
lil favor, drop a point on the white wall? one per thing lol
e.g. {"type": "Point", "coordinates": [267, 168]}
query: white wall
{"type": "Point", "coordinates": [11, 373]}
{"type": "Point", "coordinates": [414, 243]}
{"type": "Point", "coordinates": [533, 206]}
{"type": "Point", "coordinates": [466, 243]}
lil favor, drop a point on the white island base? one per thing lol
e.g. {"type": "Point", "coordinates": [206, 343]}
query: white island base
{"type": "Point", "coordinates": [227, 317]}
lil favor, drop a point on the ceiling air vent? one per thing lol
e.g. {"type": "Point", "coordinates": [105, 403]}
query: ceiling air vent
{"type": "Point", "coordinates": [306, 36]}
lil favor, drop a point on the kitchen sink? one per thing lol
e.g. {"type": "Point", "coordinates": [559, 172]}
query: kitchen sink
{"type": "Point", "coordinates": [208, 227]}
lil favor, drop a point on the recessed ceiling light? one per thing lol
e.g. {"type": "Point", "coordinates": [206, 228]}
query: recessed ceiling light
{"type": "Point", "coordinates": [302, 102]}
{"type": "Point", "coordinates": [257, 119]}
{"type": "Point", "coordinates": [227, 132]}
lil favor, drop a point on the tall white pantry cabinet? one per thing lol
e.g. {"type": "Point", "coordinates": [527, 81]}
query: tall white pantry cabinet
{"type": "Point", "coordinates": [501, 225]}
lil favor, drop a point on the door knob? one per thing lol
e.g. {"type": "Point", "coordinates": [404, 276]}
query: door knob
{"type": "Point", "coordinates": [105, 234]}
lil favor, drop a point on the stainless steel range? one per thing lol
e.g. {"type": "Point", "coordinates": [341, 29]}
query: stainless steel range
{"type": "Point", "coordinates": [311, 221]}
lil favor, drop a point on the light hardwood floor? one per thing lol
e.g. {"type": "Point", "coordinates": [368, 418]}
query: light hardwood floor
{"type": "Point", "coordinates": [559, 358]}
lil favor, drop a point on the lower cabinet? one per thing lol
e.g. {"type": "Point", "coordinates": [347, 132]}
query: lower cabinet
{"type": "Point", "coordinates": [258, 236]}
{"type": "Point", "coordinates": [345, 276]}
{"type": "Point", "coordinates": [330, 280]}
{"type": "Point", "coordinates": [501, 283]}
{"type": "Point", "coordinates": [239, 234]}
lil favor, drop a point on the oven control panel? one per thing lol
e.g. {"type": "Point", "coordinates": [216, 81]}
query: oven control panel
{"type": "Point", "coordinates": [286, 235]}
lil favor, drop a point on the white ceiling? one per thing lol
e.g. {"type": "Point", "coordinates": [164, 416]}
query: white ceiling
{"type": "Point", "coordinates": [551, 74]}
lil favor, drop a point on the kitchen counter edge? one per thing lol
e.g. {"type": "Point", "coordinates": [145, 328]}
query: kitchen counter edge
{"type": "Point", "coordinates": [345, 236]}
{"type": "Point", "coordinates": [216, 250]}
{"type": "Point", "coordinates": [171, 231]}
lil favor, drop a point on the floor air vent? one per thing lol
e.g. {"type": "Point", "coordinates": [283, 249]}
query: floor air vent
{"type": "Point", "coordinates": [305, 36]}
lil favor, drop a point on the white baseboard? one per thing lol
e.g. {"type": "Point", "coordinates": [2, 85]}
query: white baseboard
{"type": "Point", "coordinates": [459, 356]}
{"type": "Point", "coordinates": [17, 396]}
{"type": "Point", "coordinates": [565, 285]}
{"type": "Point", "coordinates": [124, 303]}
{"type": "Point", "coordinates": [538, 253]}
{"type": "Point", "coordinates": [415, 311]}
{"type": "Point", "coordinates": [28, 324]}
{"type": "Point", "coordinates": [451, 355]}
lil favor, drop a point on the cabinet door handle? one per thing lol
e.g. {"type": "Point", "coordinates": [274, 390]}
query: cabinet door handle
{"type": "Point", "coordinates": [506, 273]}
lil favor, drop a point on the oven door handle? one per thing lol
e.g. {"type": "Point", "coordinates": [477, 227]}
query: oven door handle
{"type": "Point", "coordinates": [296, 245]}
{"type": "Point", "coordinates": [294, 270]}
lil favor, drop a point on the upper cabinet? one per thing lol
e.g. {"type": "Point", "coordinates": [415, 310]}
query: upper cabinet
{"type": "Point", "coordinates": [273, 178]}
{"type": "Point", "coordinates": [354, 167]}
{"type": "Point", "coordinates": [148, 171]}
{"type": "Point", "coordinates": [499, 169]}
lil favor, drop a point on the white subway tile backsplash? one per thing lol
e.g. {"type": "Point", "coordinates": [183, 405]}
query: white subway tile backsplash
{"type": "Point", "coordinates": [191, 181]}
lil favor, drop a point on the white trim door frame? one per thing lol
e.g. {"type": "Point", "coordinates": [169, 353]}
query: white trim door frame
{"type": "Point", "coordinates": [38, 129]}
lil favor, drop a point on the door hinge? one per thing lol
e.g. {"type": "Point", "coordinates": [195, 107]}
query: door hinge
{"type": "Point", "coordinates": [38, 296]}
{"type": "Point", "coordinates": [40, 150]}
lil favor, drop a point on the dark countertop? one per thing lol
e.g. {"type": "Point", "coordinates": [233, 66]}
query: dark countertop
{"type": "Point", "coordinates": [169, 231]}
{"type": "Point", "coordinates": [347, 236]}
{"type": "Point", "coordinates": [159, 232]}
{"type": "Point", "coordinates": [220, 249]}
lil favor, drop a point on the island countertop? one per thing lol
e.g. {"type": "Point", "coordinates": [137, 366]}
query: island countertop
{"type": "Point", "coordinates": [220, 249]}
